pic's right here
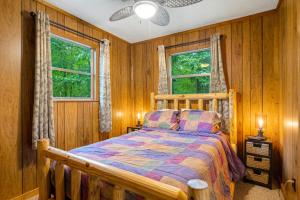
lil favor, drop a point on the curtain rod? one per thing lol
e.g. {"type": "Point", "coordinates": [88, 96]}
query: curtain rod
{"type": "Point", "coordinates": [70, 30]}
{"type": "Point", "coordinates": [188, 43]}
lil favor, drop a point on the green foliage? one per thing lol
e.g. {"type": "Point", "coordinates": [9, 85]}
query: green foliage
{"type": "Point", "coordinates": [193, 85]}
{"type": "Point", "coordinates": [70, 56]}
{"type": "Point", "coordinates": [71, 85]}
{"type": "Point", "coordinates": [198, 62]}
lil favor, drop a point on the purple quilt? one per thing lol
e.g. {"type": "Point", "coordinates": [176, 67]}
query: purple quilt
{"type": "Point", "coordinates": [171, 157]}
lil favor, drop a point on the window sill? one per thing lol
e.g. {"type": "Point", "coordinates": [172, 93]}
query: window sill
{"type": "Point", "coordinates": [75, 100]}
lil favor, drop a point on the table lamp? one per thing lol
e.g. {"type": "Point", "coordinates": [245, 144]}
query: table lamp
{"type": "Point", "coordinates": [261, 125]}
{"type": "Point", "coordinates": [139, 120]}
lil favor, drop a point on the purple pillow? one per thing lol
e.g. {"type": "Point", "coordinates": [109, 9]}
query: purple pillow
{"type": "Point", "coordinates": [200, 121]}
{"type": "Point", "coordinates": [164, 119]}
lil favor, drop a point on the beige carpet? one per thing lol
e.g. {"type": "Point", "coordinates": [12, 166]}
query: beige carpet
{"type": "Point", "coordinates": [246, 191]}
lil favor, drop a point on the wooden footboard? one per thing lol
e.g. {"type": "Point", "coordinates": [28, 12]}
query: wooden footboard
{"type": "Point", "coordinates": [97, 172]}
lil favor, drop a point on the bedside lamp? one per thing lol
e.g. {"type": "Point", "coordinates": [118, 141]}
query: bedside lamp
{"type": "Point", "coordinates": [139, 120]}
{"type": "Point", "coordinates": [261, 124]}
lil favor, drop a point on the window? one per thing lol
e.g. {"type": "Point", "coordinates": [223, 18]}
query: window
{"type": "Point", "coordinates": [72, 69]}
{"type": "Point", "coordinates": [190, 72]}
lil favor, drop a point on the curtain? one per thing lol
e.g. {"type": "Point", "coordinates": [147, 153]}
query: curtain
{"type": "Point", "coordinates": [105, 116]}
{"type": "Point", "coordinates": [163, 76]}
{"type": "Point", "coordinates": [43, 123]}
{"type": "Point", "coordinates": [218, 83]}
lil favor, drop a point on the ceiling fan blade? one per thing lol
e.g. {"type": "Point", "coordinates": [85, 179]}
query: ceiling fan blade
{"type": "Point", "coordinates": [122, 13]}
{"type": "Point", "coordinates": [155, 1]}
{"type": "Point", "coordinates": [161, 18]}
{"type": "Point", "coordinates": [179, 3]}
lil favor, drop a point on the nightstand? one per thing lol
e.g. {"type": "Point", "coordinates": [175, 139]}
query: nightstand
{"type": "Point", "coordinates": [131, 129]}
{"type": "Point", "coordinates": [258, 159]}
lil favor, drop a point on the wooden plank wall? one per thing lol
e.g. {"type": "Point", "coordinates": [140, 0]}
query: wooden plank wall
{"type": "Point", "coordinates": [10, 78]}
{"type": "Point", "coordinates": [251, 51]}
{"type": "Point", "coordinates": [289, 18]}
{"type": "Point", "coordinates": [250, 55]}
{"type": "Point", "coordinates": [76, 123]}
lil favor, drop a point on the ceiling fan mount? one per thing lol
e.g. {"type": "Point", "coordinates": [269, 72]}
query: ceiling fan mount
{"type": "Point", "coordinates": [151, 9]}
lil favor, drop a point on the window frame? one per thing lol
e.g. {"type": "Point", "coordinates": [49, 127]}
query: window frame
{"type": "Point", "coordinates": [184, 76]}
{"type": "Point", "coordinates": [92, 73]}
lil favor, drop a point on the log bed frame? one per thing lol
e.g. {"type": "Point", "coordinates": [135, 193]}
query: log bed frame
{"type": "Point", "coordinates": [121, 179]}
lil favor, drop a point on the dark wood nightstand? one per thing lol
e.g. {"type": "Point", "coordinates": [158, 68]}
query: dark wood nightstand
{"type": "Point", "coordinates": [258, 159]}
{"type": "Point", "coordinates": [131, 129]}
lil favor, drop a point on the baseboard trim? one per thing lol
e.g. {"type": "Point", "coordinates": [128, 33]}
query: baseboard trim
{"type": "Point", "coordinates": [27, 195]}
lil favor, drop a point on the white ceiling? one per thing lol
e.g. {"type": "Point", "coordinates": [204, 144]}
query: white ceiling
{"type": "Point", "coordinates": [97, 12]}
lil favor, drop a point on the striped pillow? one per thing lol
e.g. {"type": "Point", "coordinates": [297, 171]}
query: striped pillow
{"type": "Point", "coordinates": [200, 121]}
{"type": "Point", "coordinates": [165, 119]}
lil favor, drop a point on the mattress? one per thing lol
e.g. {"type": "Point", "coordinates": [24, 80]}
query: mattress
{"type": "Point", "coordinates": [167, 156]}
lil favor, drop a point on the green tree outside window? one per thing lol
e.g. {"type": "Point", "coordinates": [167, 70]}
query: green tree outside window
{"type": "Point", "coordinates": [71, 69]}
{"type": "Point", "coordinates": [190, 72]}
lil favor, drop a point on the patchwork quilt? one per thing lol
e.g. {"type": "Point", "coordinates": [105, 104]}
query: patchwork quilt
{"type": "Point", "coordinates": [172, 157]}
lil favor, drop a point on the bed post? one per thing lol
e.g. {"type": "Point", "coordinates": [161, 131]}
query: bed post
{"type": "Point", "coordinates": [198, 190]}
{"type": "Point", "coordinates": [175, 104]}
{"type": "Point", "coordinates": [94, 188]}
{"type": "Point", "coordinates": [43, 170]}
{"type": "Point", "coordinates": [59, 181]}
{"type": "Point", "coordinates": [152, 101]}
{"type": "Point", "coordinates": [75, 184]}
{"type": "Point", "coordinates": [233, 116]}
{"type": "Point", "coordinates": [118, 193]}
{"type": "Point", "coordinates": [200, 104]}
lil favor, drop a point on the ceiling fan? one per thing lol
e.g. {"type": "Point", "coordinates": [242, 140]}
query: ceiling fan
{"type": "Point", "coordinates": [151, 9]}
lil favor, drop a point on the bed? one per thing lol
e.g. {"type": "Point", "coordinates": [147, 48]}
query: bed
{"type": "Point", "coordinates": [148, 164]}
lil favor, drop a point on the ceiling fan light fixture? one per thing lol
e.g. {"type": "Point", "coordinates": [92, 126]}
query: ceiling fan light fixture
{"type": "Point", "coordinates": [145, 9]}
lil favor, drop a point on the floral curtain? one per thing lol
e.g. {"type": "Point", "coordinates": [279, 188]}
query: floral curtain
{"type": "Point", "coordinates": [105, 116]}
{"type": "Point", "coordinates": [218, 83]}
{"type": "Point", "coordinates": [43, 123]}
{"type": "Point", "coordinates": [163, 76]}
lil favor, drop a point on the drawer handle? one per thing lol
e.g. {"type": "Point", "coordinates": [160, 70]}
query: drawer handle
{"type": "Point", "coordinates": [258, 159]}
{"type": "Point", "coordinates": [257, 171]}
{"type": "Point", "coordinates": [257, 145]}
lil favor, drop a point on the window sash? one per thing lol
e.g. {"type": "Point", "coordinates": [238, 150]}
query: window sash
{"type": "Point", "coordinates": [172, 77]}
{"type": "Point", "coordinates": [92, 90]}
{"type": "Point", "coordinates": [70, 71]}
{"type": "Point", "coordinates": [190, 75]}
{"type": "Point", "coordinates": [91, 73]}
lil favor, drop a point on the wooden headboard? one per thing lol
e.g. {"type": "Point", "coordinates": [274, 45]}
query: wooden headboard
{"type": "Point", "coordinates": [200, 98]}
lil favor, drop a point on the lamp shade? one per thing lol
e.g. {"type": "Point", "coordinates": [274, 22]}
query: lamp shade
{"type": "Point", "coordinates": [261, 121]}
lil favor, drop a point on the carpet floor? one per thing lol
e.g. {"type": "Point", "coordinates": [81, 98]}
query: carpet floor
{"type": "Point", "coordinates": [246, 191]}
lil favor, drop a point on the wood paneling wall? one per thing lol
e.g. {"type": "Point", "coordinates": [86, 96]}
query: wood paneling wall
{"type": "Point", "coordinates": [259, 58]}
{"type": "Point", "coordinates": [289, 18]}
{"type": "Point", "coordinates": [10, 78]}
{"type": "Point", "coordinates": [76, 123]}
{"type": "Point", "coordinates": [250, 55]}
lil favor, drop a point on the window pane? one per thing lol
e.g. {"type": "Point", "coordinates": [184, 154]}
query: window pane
{"type": "Point", "coordinates": [71, 85]}
{"type": "Point", "coordinates": [197, 62]}
{"type": "Point", "coordinates": [192, 85]}
{"type": "Point", "coordinates": [70, 55]}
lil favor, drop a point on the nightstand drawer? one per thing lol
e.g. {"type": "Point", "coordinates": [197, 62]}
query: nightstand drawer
{"type": "Point", "coordinates": [258, 162]}
{"type": "Point", "coordinates": [257, 176]}
{"type": "Point", "coordinates": [258, 148]}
